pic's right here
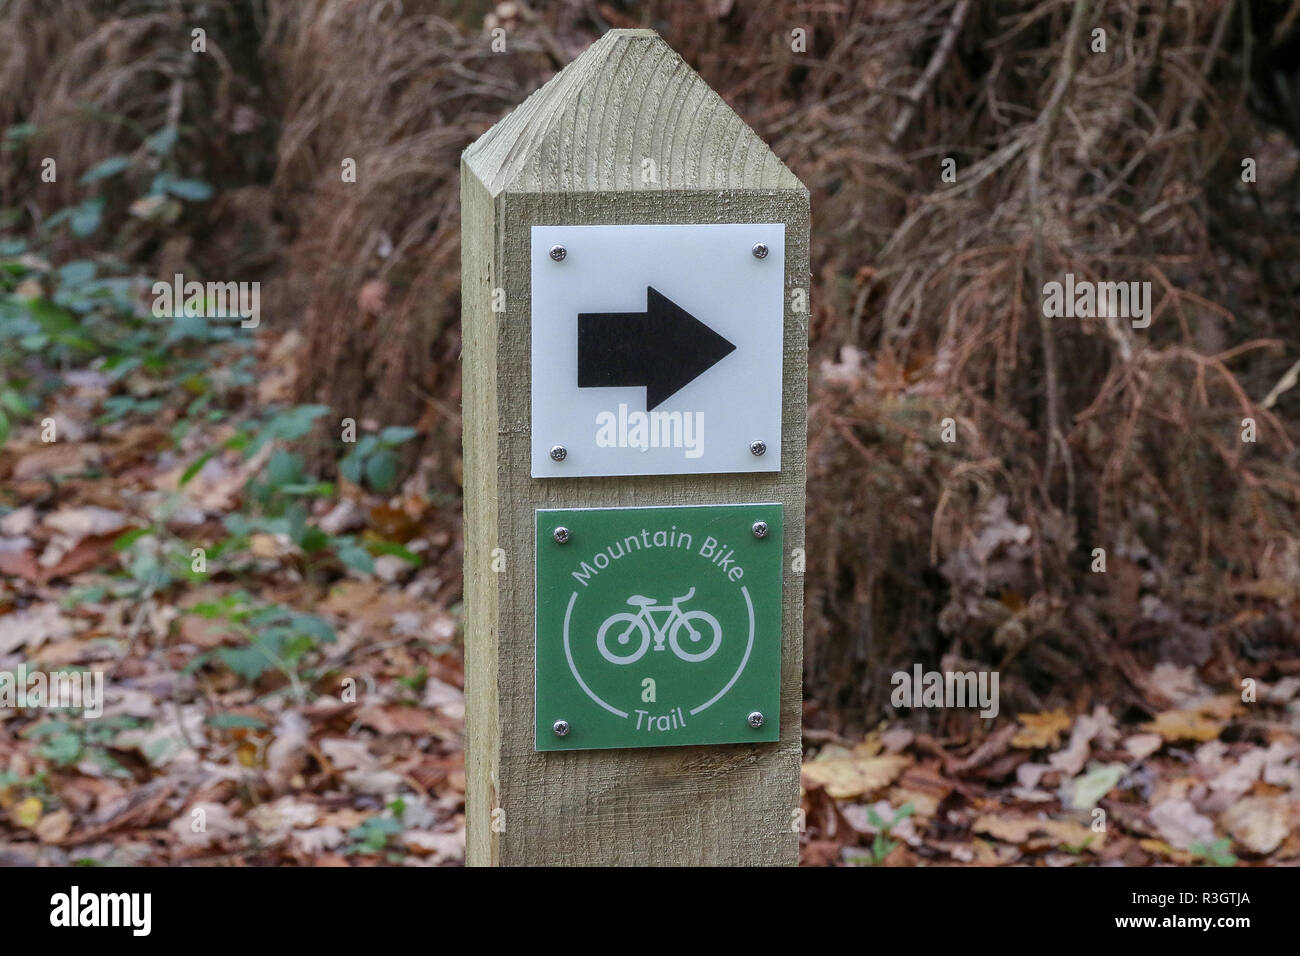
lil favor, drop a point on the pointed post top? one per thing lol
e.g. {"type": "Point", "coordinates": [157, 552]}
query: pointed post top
{"type": "Point", "coordinates": [627, 114]}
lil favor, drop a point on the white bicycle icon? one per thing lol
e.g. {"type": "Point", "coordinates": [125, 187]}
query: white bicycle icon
{"type": "Point", "coordinates": [678, 621]}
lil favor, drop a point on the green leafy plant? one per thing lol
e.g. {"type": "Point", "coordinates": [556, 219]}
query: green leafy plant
{"type": "Point", "coordinates": [14, 787]}
{"type": "Point", "coordinates": [282, 490]}
{"type": "Point", "coordinates": [286, 424]}
{"type": "Point", "coordinates": [883, 844]}
{"type": "Point", "coordinates": [86, 310]}
{"type": "Point", "coordinates": [66, 742]}
{"type": "Point", "coordinates": [373, 462]}
{"type": "Point", "coordinates": [1218, 853]}
{"type": "Point", "coordinates": [374, 835]}
{"type": "Point", "coordinates": [275, 638]}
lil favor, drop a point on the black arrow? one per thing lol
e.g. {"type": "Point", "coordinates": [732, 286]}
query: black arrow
{"type": "Point", "coordinates": [664, 348]}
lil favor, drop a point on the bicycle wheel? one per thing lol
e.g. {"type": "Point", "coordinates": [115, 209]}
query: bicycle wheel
{"type": "Point", "coordinates": [622, 637]}
{"type": "Point", "coordinates": [691, 621]}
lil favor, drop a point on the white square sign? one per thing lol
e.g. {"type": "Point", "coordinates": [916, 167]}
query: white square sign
{"type": "Point", "coordinates": [657, 349]}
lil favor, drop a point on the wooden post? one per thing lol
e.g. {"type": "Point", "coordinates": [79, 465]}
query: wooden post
{"type": "Point", "coordinates": [626, 134]}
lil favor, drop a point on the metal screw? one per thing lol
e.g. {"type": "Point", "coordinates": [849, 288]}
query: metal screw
{"type": "Point", "coordinates": [561, 727]}
{"type": "Point", "coordinates": [559, 453]}
{"type": "Point", "coordinates": [757, 447]}
{"type": "Point", "coordinates": [561, 535]}
{"type": "Point", "coordinates": [760, 529]}
{"type": "Point", "coordinates": [759, 250]}
{"type": "Point", "coordinates": [755, 720]}
{"type": "Point", "coordinates": [559, 252]}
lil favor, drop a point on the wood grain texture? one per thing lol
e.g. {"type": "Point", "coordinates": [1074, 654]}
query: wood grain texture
{"type": "Point", "coordinates": [573, 154]}
{"type": "Point", "coordinates": [627, 98]}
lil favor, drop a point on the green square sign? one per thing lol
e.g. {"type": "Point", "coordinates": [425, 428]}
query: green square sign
{"type": "Point", "coordinates": [658, 627]}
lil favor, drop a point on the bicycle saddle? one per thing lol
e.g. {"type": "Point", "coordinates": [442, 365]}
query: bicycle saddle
{"type": "Point", "coordinates": [637, 600]}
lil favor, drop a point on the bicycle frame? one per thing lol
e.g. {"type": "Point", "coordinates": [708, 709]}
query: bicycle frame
{"type": "Point", "coordinates": [660, 633]}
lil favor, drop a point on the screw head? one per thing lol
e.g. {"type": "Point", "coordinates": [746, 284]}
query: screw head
{"type": "Point", "coordinates": [760, 529]}
{"type": "Point", "coordinates": [559, 453]}
{"type": "Point", "coordinates": [756, 720]}
{"type": "Point", "coordinates": [558, 253]}
{"type": "Point", "coordinates": [561, 535]}
{"type": "Point", "coordinates": [759, 250]}
{"type": "Point", "coordinates": [561, 728]}
{"type": "Point", "coordinates": [758, 447]}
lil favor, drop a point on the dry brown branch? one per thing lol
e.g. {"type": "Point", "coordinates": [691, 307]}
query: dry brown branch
{"type": "Point", "coordinates": [922, 85]}
{"type": "Point", "coordinates": [1047, 123]}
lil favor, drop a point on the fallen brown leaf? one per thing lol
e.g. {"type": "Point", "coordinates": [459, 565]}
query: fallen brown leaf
{"type": "Point", "coordinates": [1141, 746]}
{"type": "Point", "coordinates": [1176, 725]}
{"type": "Point", "coordinates": [1161, 848]}
{"type": "Point", "coordinates": [86, 555]}
{"type": "Point", "coordinates": [20, 564]}
{"type": "Point", "coordinates": [854, 776]}
{"type": "Point", "coordinates": [86, 522]}
{"type": "Point", "coordinates": [56, 458]}
{"type": "Point", "coordinates": [1259, 824]}
{"type": "Point", "coordinates": [1180, 824]}
{"type": "Point", "coordinates": [1221, 707]}
{"type": "Point", "coordinates": [1037, 833]}
{"type": "Point", "coordinates": [398, 720]}
{"type": "Point", "coordinates": [53, 827]}
{"type": "Point", "coordinates": [1041, 730]}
